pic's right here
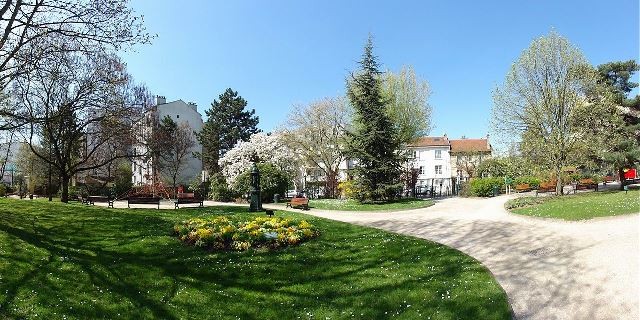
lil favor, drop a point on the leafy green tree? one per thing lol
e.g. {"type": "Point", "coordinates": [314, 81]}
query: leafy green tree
{"type": "Point", "coordinates": [408, 107]}
{"type": "Point", "coordinates": [227, 123]}
{"type": "Point", "coordinates": [374, 141]}
{"type": "Point", "coordinates": [542, 104]}
{"type": "Point", "coordinates": [624, 135]}
{"type": "Point", "coordinates": [272, 180]}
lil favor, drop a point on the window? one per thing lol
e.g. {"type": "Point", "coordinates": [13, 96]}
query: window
{"type": "Point", "coordinates": [415, 154]}
{"type": "Point", "coordinates": [438, 169]}
{"type": "Point", "coordinates": [177, 116]}
{"type": "Point", "coordinates": [421, 170]}
{"type": "Point", "coordinates": [438, 154]}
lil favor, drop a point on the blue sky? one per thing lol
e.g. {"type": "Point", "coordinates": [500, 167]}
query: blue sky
{"type": "Point", "coordinates": [280, 53]}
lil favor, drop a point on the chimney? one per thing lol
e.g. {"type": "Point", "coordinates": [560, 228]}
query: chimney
{"type": "Point", "coordinates": [160, 100]}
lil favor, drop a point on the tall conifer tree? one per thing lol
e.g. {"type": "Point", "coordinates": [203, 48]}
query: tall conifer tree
{"type": "Point", "coordinates": [373, 141]}
{"type": "Point", "coordinates": [227, 123]}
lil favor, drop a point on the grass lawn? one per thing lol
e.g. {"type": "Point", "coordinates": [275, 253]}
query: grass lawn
{"type": "Point", "coordinates": [354, 205]}
{"type": "Point", "coordinates": [73, 261]}
{"type": "Point", "coordinates": [579, 206]}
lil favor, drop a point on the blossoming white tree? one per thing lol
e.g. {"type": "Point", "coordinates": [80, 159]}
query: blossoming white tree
{"type": "Point", "coordinates": [261, 147]}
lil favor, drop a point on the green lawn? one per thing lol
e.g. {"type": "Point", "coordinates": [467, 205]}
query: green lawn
{"type": "Point", "coordinates": [71, 261]}
{"type": "Point", "coordinates": [354, 205]}
{"type": "Point", "coordinates": [578, 207]}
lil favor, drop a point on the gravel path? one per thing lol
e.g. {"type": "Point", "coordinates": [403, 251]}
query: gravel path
{"type": "Point", "coordinates": [550, 269]}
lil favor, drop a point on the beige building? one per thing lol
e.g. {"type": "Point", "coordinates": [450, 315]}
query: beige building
{"type": "Point", "coordinates": [466, 156]}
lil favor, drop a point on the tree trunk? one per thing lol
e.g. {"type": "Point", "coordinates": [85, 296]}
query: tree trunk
{"type": "Point", "coordinates": [175, 194]}
{"type": "Point", "coordinates": [559, 181]}
{"type": "Point", "coordinates": [64, 197]}
{"type": "Point", "coordinates": [621, 176]}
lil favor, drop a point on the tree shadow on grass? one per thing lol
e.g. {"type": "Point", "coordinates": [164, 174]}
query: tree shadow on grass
{"type": "Point", "coordinates": [95, 263]}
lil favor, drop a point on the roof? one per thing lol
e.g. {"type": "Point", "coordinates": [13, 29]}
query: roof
{"type": "Point", "coordinates": [430, 142]}
{"type": "Point", "coordinates": [470, 145]}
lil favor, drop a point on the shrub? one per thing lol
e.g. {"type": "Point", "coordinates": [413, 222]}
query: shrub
{"type": "Point", "coordinates": [3, 190]}
{"type": "Point", "coordinates": [222, 233]}
{"type": "Point", "coordinates": [272, 180]}
{"type": "Point", "coordinates": [483, 187]}
{"type": "Point", "coordinates": [533, 182]}
{"type": "Point", "coordinates": [465, 190]}
{"type": "Point", "coordinates": [220, 191]}
{"type": "Point", "coordinates": [525, 202]}
{"type": "Point", "coordinates": [348, 189]}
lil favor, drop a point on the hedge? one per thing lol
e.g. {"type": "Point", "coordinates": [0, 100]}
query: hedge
{"type": "Point", "coordinates": [483, 187]}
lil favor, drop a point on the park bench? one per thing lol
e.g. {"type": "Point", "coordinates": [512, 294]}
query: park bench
{"type": "Point", "coordinates": [608, 179]}
{"type": "Point", "coordinates": [548, 186]}
{"type": "Point", "coordinates": [186, 198]}
{"type": "Point", "coordinates": [93, 199]}
{"type": "Point", "coordinates": [143, 200]}
{"type": "Point", "coordinates": [299, 202]}
{"type": "Point", "coordinates": [586, 184]}
{"type": "Point", "coordinates": [523, 187]}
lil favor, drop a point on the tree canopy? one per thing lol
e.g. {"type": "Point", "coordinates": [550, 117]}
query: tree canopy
{"type": "Point", "coordinates": [227, 124]}
{"type": "Point", "coordinates": [543, 104]}
{"type": "Point", "coordinates": [408, 107]}
{"type": "Point", "coordinates": [373, 141]}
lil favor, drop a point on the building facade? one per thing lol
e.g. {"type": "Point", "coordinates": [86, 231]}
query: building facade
{"type": "Point", "coordinates": [467, 155]}
{"type": "Point", "coordinates": [431, 159]}
{"type": "Point", "coordinates": [180, 112]}
{"type": "Point", "coordinates": [441, 163]}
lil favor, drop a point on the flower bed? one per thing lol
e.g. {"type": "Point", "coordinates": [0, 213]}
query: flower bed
{"type": "Point", "coordinates": [222, 233]}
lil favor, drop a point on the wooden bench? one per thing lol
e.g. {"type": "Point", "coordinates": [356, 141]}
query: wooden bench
{"type": "Point", "coordinates": [186, 198]}
{"type": "Point", "coordinates": [608, 179]}
{"type": "Point", "coordinates": [93, 199]}
{"type": "Point", "coordinates": [549, 186]}
{"type": "Point", "coordinates": [586, 184]}
{"type": "Point", "coordinates": [299, 202]}
{"type": "Point", "coordinates": [523, 187]}
{"type": "Point", "coordinates": [143, 200]}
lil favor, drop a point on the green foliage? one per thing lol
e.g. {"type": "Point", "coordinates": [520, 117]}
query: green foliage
{"type": "Point", "coordinates": [580, 206]}
{"type": "Point", "coordinates": [374, 141]}
{"type": "Point", "coordinates": [122, 178]}
{"type": "Point", "coordinates": [348, 189]}
{"type": "Point", "coordinates": [495, 167]}
{"type": "Point", "coordinates": [617, 76]}
{"type": "Point", "coordinates": [525, 202]}
{"type": "Point", "coordinates": [465, 190]}
{"type": "Point", "coordinates": [272, 180]}
{"type": "Point", "coordinates": [354, 205]}
{"type": "Point", "coordinates": [123, 263]}
{"type": "Point", "coordinates": [622, 138]}
{"type": "Point", "coordinates": [483, 187]}
{"type": "Point", "coordinates": [220, 191]}
{"type": "Point", "coordinates": [408, 108]}
{"type": "Point", "coordinates": [227, 123]}
{"type": "Point", "coordinates": [222, 233]}
{"type": "Point", "coordinates": [541, 105]}
{"type": "Point", "coordinates": [533, 182]}
{"type": "Point", "coordinates": [3, 190]}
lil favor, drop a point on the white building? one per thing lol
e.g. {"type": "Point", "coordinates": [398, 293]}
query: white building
{"type": "Point", "coordinates": [180, 112]}
{"type": "Point", "coordinates": [431, 157]}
